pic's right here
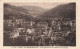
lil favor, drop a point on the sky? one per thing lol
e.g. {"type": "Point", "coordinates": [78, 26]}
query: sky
{"type": "Point", "coordinates": [46, 5]}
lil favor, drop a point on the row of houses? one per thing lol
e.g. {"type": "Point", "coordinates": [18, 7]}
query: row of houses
{"type": "Point", "coordinates": [55, 25]}
{"type": "Point", "coordinates": [18, 23]}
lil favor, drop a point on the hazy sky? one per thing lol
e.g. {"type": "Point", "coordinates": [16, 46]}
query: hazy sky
{"type": "Point", "coordinates": [46, 5]}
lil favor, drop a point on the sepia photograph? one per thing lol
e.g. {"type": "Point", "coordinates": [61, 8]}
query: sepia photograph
{"type": "Point", "coordinates": [39, 24]}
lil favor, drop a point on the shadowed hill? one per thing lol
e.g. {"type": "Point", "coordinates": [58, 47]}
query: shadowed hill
{"type": "Point", "coordinates": [61, 11]}
{"type": "Point", "coordinates": [35, 10]}
{"type": "Point", "coordinates": [11, 12]}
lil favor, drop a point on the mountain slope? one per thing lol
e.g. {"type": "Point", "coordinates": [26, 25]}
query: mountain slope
{"type": "Point", "coordinates": [34, 10]}
{"type": "Point", "coordinates": [61, 11]}
{"type": "Point", "coordinates": [11, 11]}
